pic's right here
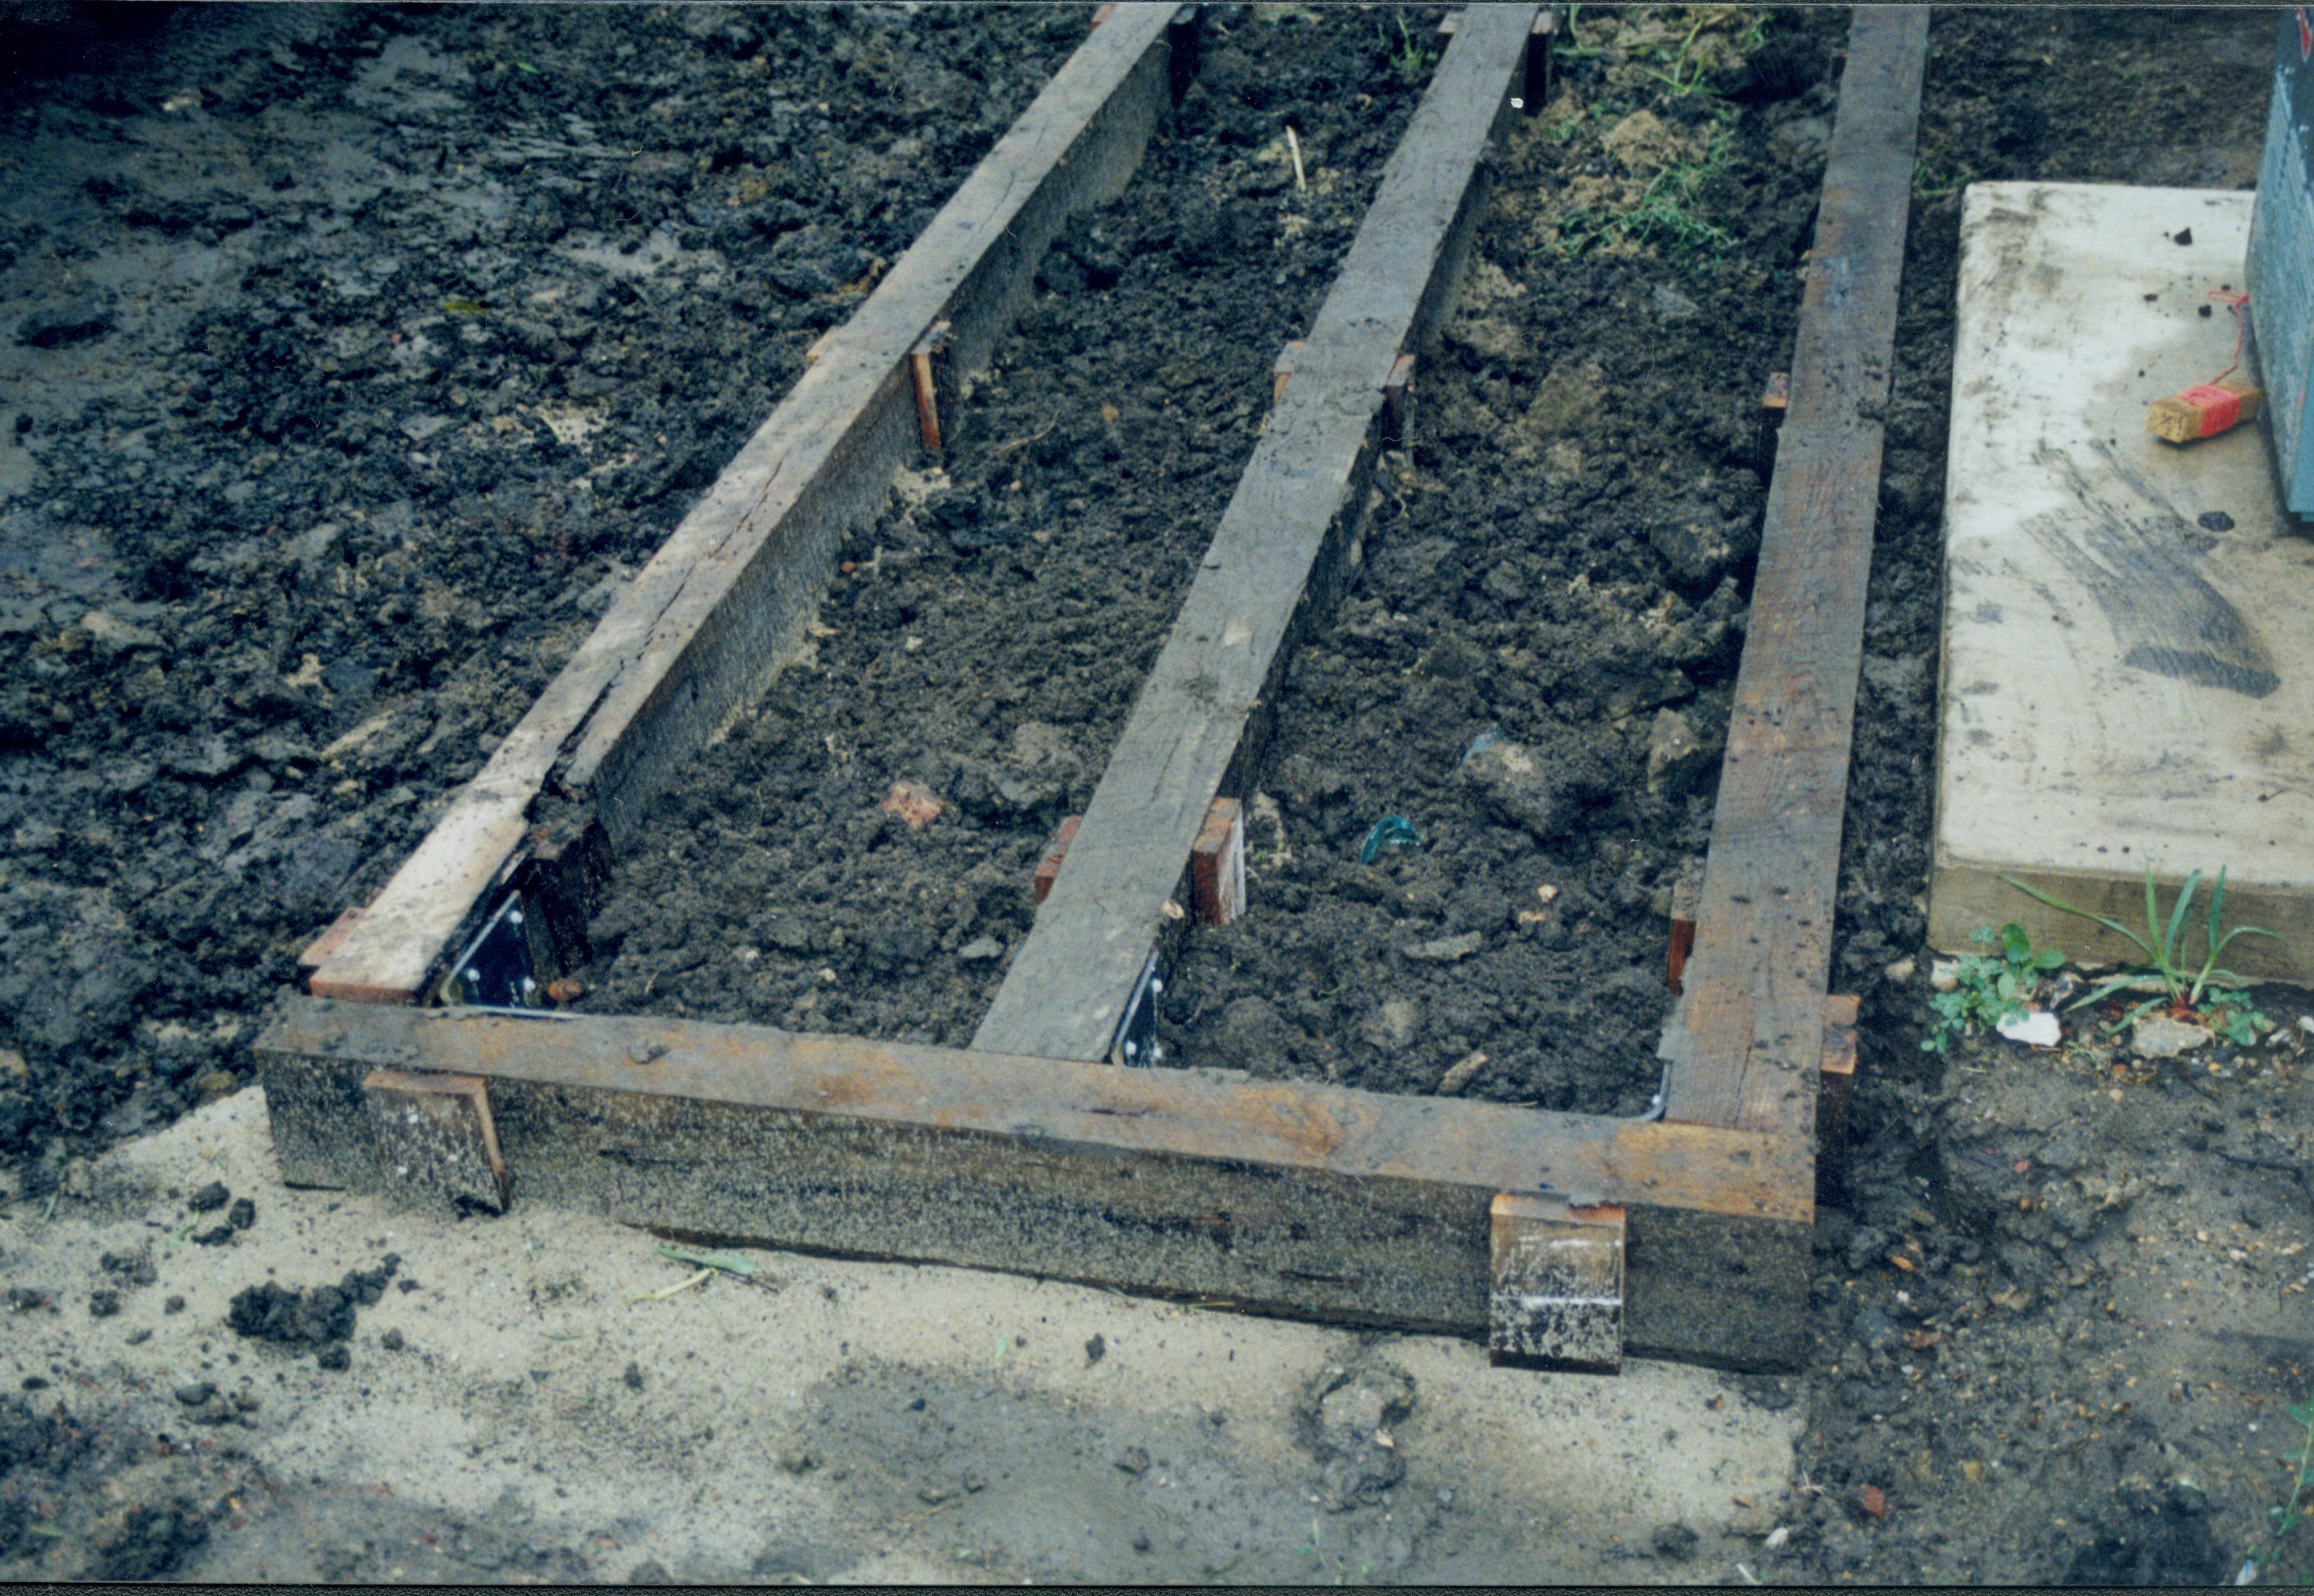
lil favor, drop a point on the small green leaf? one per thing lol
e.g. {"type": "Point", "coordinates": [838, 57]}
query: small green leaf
{"type": "Point", "coordinates": [2015, 943]}
{"type": "Point", "coordinates": [526, 67]}
{"type": "Point", "coordinates": [2048, 958]}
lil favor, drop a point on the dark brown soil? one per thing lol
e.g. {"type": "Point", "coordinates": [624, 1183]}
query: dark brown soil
{"type": "Point", "coordinates": [355, 353]}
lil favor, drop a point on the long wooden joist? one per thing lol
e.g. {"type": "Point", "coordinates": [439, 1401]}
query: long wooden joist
{"type": "Point", "coordinates": [1744, 1045]}
{"type": "Point", "coordinates": [1275, 562]}
{"type": "Point", "coordinates": [722, 606]}
{"type": "Point", "coordinates": [1310, 1201]}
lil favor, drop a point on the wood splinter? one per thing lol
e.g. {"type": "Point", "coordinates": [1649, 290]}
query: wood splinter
{"type": "Point", "coordinates": [1217, 863]}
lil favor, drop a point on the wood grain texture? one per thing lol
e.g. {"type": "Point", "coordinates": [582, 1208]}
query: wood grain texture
{"type": "Point", "coordinates": [1747, 1042]}
{"type": "Point", "coordinates": [721, 605]}
{"type": "Point", "coordinates": [1275, 562]}
{"type": "Point", "coordinates": [1309, 1201]}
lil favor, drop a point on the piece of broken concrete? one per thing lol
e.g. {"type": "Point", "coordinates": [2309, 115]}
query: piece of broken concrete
{"type": "Point", "coordinates": [2158, 1036]}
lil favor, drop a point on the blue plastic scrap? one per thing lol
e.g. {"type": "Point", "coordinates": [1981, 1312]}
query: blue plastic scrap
{"type": "Point", "coordinates": [1391, 831]}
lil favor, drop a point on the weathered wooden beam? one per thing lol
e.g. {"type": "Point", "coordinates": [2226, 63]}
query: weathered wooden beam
{"type": "Point", "coordinates": [722, 605]}
{"type": "Point", "coordinates": [1746, 1046]}
{"type": "Point", "coordinates": [1308, 1201]}
{"type": "Point", "coordinates": [1275, 564]}
{"type": "Point", "coordinates": [1558, 1296]}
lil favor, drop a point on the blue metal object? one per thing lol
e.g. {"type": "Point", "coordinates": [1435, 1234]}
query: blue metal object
{"type": "Point", "coordinates": [2282, 259]}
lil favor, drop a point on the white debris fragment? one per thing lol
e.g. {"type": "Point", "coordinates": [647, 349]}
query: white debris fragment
{"type": "Point", "coordinates": [1944, 974]}
{"type": "Point", "coordinates": [2038, 1029]}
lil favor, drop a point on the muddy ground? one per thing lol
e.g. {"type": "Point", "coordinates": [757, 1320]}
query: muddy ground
{"type": "Point", "coordinates": [347, 372]}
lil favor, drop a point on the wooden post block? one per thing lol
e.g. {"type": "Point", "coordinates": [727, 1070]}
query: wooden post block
{"type": "Point", "coordinates": [1396, 396]}
{"type": "Point", "coordinates": [1834, 1089]}
{"type": "Point", "coordinates": [1100, 14]}
{"type": "Point", "coordinates": [1557, 1284]}
{"type": "Point", "coordinates": [1217, 863]}
{"type": "Point", "coordinates": [1050, 866]}
{"type": "Point", "coordinates": [1686, 895]}
{"type": "Point", "coordinates": [1281, 370]}
{"type": "Point", "coordinates": [927, 366]}
{"type": "Point", "coordinates": [324, 947]}
{"type": "Point", "coordinates": [1447, 25]}
{"type": "Point", "coordinates": [435, 1138]}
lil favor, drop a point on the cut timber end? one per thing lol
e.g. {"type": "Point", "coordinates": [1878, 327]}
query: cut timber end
{"type": "Point", "coordinates": [1686, 900]}
{"type": "Point", "coordinates": [1049, 866]}
{"type": "Point", "coordinates": [1556, 1296]}
{"type": "Point", "coordinates": [324, 948]}
{"type": "Point", "coordinates": [435, 1138]}
{"type": "Point", "coordinates": [1217, 863]}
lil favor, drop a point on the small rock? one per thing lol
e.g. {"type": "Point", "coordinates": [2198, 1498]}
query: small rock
{"type": "Point", "coordinates": [980, 950]}
{"type": "Point", "coordinates": [196, 1393]}
{"type": "Point", "coordinates": [242, 1214]}
{"type": "Point", "coordinates": [103, 1304]}
{"type": "Point", "coordinates": [114, 636]}
{"type": "Point", "coordinates": [1446, 950]}
{"type": "Point", "coordinates": [58, 325]}
{"type": "Point", "coordinates": [2037, 1030]}
{"type": "Point", "coordinates": [1672, 304]}
{"type": "Point", "coordinates": [915, 803]}
{"type": "Point", "coordinates": [2157, 1035]}
{"type": "Point", "coordinates": [1141, 1541]}
{"type": "Point", "coordinates": [391, 1340]}
{"type": "Point", "coordinates": [1900, 971]}
{"type": "Point", "coordinates": [1677, 760]}
{"type": "Point", "coordinates": [1134, 1459]}
{"type": "Point", "coordinates": [1395, 1025]}
{"type": "Point", "coordinates": [633, 1377]}
{"type": "Point", "coordinates": [211, 1196]}
{"type": "Point", "coordinates": [1944, 974]}
{"type": "Point", "coordinates": [334, 1356]}
{"type": "Point", "coordinates": [1517, 788]}
{"type": "Point", "coordinates": [2306, 1024]}
{"type": "Point", "coordinates": [798, 1461]}
{"type": "Point", "coordinates": [1461, 1073]}
{"type": "Point", "coordinates": [173, 1305]}
{"type": "Point", "coordinates": [1095, 1349]}
{"type": "Point", "coordinates": [1677, 1542]}
{"type": "Point", "coordinates": [139, 1335]}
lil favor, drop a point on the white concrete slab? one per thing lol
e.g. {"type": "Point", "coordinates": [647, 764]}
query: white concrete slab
{"type": "Point", "coordinates": [2128, 672]}
{"type": "Point", "coordinates": [826, 1420]}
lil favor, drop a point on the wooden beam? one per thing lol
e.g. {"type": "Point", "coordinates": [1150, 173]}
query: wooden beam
{"type": "Point", "coordinates": [722, 605]}
{"type": "Point", "coordinates": [1746, 1046]}
{"type": "Point", "coordinates": [1309, 1201]}
{"type": "Point", "coordinates": [1274, 565]}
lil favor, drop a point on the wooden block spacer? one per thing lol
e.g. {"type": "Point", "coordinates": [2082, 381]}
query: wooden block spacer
{"type": "Point", "coordinates": [1049, 866]}
{"type": "Point", "coordinates": [1397, 399]}
{"type": "Point", "coordinates": [1556, 1293]}
{"type": "Point", "coordinates": [324, 948]}
{"type": "Point", "coordinates": [927, 362]}
{"type": "Point", "coordinates": [436, 1139]}
{"type": "Point", "coordinates": [1217, 863]}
